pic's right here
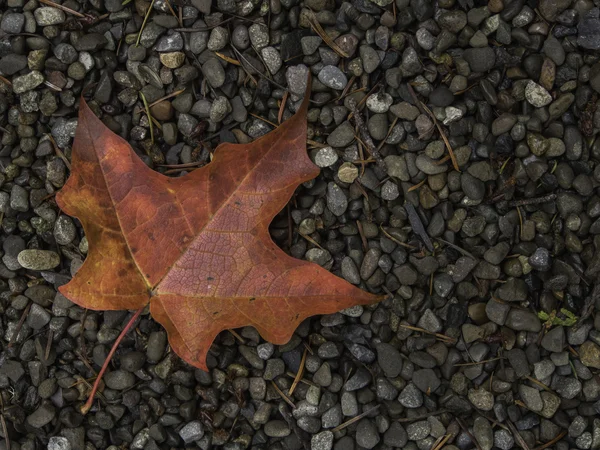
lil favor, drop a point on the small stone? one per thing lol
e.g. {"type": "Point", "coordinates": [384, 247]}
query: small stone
{"type": "Point", "coordinates": [333, 77]}
{"type": "Point", "coordinates": [322, 441]}
{"type": "Point", "coordinates": [192, 432]}
{"type": "Point", "coordinates": [537, 95]}
{"type": "Point", "coordinates": [297, 79]}
{"type": "Point", "coordinates": [541, 259]}
{"type": "Point", "coordinates": [27, 82]}
{"type": "Point", "coordinates": [481, 399]}
{"type": "Point", "coordinates": [326, 157]}
{"type": "Point", "coordinates": [389, 360]}
{"type": "Point", "coordinates": [42, 416]}
{"type": "Point", "coordinates": [405, 111]}
{"type": "Point", "coordinates": [47, 15]}
{"type": "Point", "coordinates": [441, 96]}
{"type": "Point", "coordinates": [277, 428]}
{"type": "Point", "coordinates": [379, 102]}
{"type": "Point", "coordinates": [38, 259]}
{"type": "Point", "coordinates": [480, 59]}
{"type": "Point", "coordinates": [589, 354]}
{"type": "Point", "coordinates": [12, 23]}
{"type": "Point", "coordinates": [348, 172]}
{"type": "Point", "coordinates": [172, 60]}
{"type": "Point", "coordinates": [119, 380]}
{"type": "Point", "coordinates": [521, 320]}
{"type": "Point", "coordinates": [58, 443]}
{"type": "Point", "coordinates": [367, 435]}
{"type": "Point", "coordinates": [554, 340]}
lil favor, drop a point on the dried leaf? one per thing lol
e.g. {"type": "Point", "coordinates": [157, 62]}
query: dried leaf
{"type": "Point", "coordinates": [197, 247]}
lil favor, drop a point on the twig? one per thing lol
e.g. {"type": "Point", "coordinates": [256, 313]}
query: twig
{"type": "Point", "coordinates": [354, 419]}
{"type": "Point", "coordinates": [245, 60]}
{"type": "Point", "coordinates": [282, 106]}
{"type": "Point", "coordinates": [423, 330]}
{"type": "Point", "coordinates": [416, 186]}
{"type": "Point", "coordinates": [237, 336]}
{"type": "Point", "coordinates": [5, 80]}
{"type": "Point", "coordinates": [441, 441]}
{"type": "Point", "coordinates": [48, 345]}
{"type": "Point", "coordinates": [173, 12]}
{"type": "Point", "coordinates": [13, 338]}
{"type": "Point", "coordinates": [516, 435]}
{"type": "Point", "coordinates": [162, 99]}
{"type": "Point", "coordinates": [456, 247]}
{"type": "Point", "coordinates": [422, 416]}
{"type": "Point", "coordinates": [362, 235]}
{"type": "Point", "coordinates": [302, 380]}
{"type": "Point", "coordinates": [364, 133]}
{"type": "Point", "coordinates": [5, 430]}
{"type": "Point", "coordinates": [224, 57]}
{"type": "Point", "coordinates": [539, 383]}
{"type": "Point", "coordinates": [311, 240]}
{"type": "Point", "coordinates": [533, 201]}
{"type": "Point", "coordinates": [423, 107]}
{"type": "Point", "coordinates": [59, 152]}
{"type": "Point", "coordinates": [298, 376]}
{"type": "Point", "coordinates": [264, 120]}
{"type": "Point", "coordinates": [137, 43]}
{"type": "Point", "coordinates": [194, 30]}
{"type": "Point", "coordinates": [64, 8]}
{"type": "Point", "coordinates": [468, 433]}
{"type": "Point", "coordinates": [90, 401]}
{"type": "Point", "coordinates": [553, 441]}
{"type": "Point", "coordinates": [392, 238]}
{"type": "Point", "coordinates": [316, 26]}
{"type": "Point", "coordinates": [477, 363]}
{"type": "Point", "coordinates": [417, 225]}
{"type": "Point", "coordinates": [283, 396]}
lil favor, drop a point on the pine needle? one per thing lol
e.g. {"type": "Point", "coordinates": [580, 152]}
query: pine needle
{"type": "Point", "coordinates": [440, 336]}
{"type": "Point", "coordinates": [137, 43]}
{"type": "Point", "coordinates": [64, 8]}
{"type": "Point", "coordinates": [59, 152]}
{"type": "Point", "coordinates": [283, 396]}
{"type": "Point", "coordinates": [264, 120]}
{"type": "Point", "coordinates": [552, 442]}
{"type": "Point", "coordinates": [416, 186]}
{"type": "Point", "coordinates": [354, 419]}
{"type": "Point", "coordinates": [228, 59]}
{"type": "Point", "coordinates": [317, 28]}
{"type": "Point", "coordinates": [147, 107]}
{"type": "Point", "coordinates": [298, 376]}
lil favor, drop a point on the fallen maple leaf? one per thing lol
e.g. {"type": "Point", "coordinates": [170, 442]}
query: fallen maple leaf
{"type": "Point", "coordinates": [197, 247]}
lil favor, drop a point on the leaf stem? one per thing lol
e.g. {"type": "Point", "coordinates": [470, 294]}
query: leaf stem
{"type": "Point", "coordinates": [88, 405]}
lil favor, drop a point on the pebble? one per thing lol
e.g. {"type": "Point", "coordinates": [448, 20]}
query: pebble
{"type": "Point", "coordinates": [58, 443]}
{"type": "Point", "coordinates": [333, 77]}
{"type": "Point", "coordinates": [322, 441]}
{"type": "Point", "coordinates": [537, 95]}
{"type": "Point", "coordinates": [38, 259]}
{"type": "Point", "coordinates": [27, 82]}
{"type": "Point", "coordinates": [46, 16]}
{"type": "Point", "coordinates": [480, 59]}
{"type": "Point", "coordinates": [192, 432]}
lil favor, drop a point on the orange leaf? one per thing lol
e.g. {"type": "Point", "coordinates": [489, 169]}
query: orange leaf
{"type": "Point", "coordinates": [197, 247]}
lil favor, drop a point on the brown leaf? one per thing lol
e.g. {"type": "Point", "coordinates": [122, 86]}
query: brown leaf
{"type": "Point", "coordinates": [197, 248]}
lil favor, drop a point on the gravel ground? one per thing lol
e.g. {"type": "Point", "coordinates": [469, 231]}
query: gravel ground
{"type": "Point", "coordinates": [490, 337]}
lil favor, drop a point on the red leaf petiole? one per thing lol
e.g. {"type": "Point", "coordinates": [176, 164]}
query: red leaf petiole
{"type": "Point", "coordinates": [88, 405]}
